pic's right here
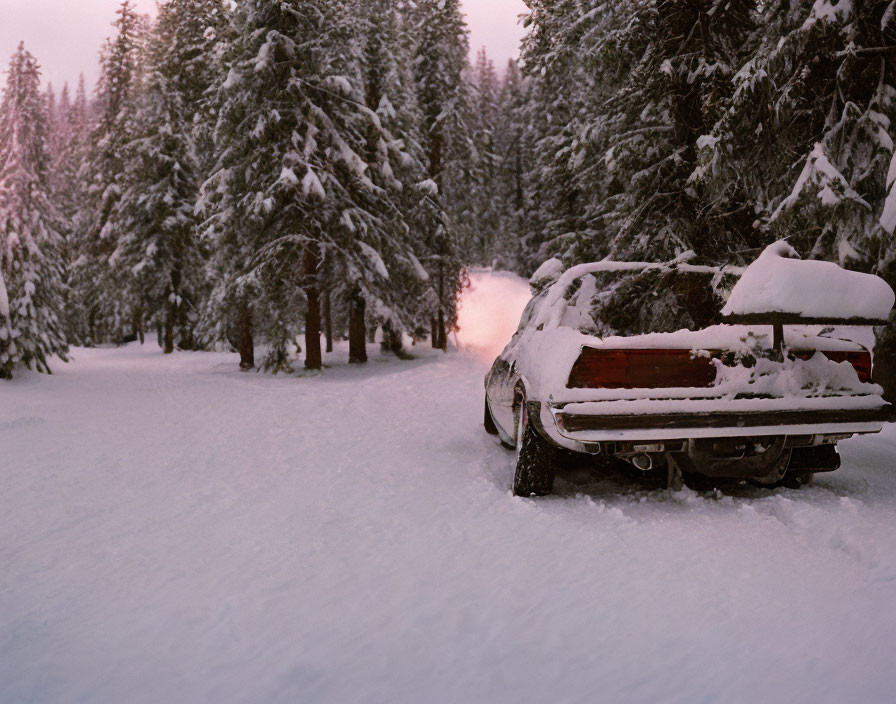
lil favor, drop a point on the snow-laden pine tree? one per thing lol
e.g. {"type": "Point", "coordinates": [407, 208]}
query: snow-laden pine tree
{"type": "Point", "coordinates": [294, 190]}
{"type": "Point", "coordinates": [514, 154]}
{"type": "Point", "coordinates": [98, 283]}
{"type": "Point", "coordinates": [31, 290]}
{"type": "Point", "coordinates": [558, 89]}
{"type": "Point", "coordinates": [483, 209]}
{"type": "Point", "coordinates": [70, 142]}
{"type": "Point", "coordinates": [158, 255]}
{"type": "Point", "coordinates": [442, 48]}
{"type": "Point", "coordinates": [401, 202]}
{"type": "Point", "coordinates": [807, 137]}
{"type": "Point", "coordinates": [624, 94]}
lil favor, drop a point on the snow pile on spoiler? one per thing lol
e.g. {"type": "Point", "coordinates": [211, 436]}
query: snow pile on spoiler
{"type": "Point", "coordinates": [780, 282]}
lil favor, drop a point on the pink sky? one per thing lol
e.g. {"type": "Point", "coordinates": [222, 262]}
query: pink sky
{"type": "Point", "coordinates": [65, 35]}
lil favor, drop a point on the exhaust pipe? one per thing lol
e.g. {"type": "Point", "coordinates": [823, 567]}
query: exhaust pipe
{"type": "Point", "coordinates": [643, 461]}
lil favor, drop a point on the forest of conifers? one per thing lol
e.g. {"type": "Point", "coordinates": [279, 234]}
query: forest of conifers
{"type": "Point", "coordinates": [287, 172]}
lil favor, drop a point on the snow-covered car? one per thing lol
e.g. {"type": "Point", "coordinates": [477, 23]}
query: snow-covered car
{"type": "Point", "coordinates": [762, 395]}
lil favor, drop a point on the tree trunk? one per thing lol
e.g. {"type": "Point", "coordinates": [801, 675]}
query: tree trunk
{"type": "Point", "coordinates": [434, 333]}
{"type": "Point", "coordinates": [138, 325]}
{"type": "Point", "coordinates": [392, 341]}
{"type": "Point", "coordinates": [328, 320]}
{"type": "Point", "coordinates": [310, 263]}
{"type": "Point", "coordinates": [169, 329]}
{"type": "Point", "coordinates": [443, 337]}
{"type": "Point", "coordinates": [357, 333]}
{"type": "Point", "coordinates": [247, 344]}
{"type": "Point", "coordinates": [440, 329]}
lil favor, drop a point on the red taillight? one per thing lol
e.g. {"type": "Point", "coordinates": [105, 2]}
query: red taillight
{"type": "Point", "coordinates": [633, 369]}
{"type": "Point", "coordinates": [860, 360]}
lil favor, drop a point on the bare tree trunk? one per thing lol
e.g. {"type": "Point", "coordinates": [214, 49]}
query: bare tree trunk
{"type": "Point", "coordinates": [443, 337]}
{"type": "Point", "coordinates": [357, 340]}
{"type": "Point", "coordinates": [247, 344]}
{"type": "Point", "coordinates": [310, 263]}
{"type": "Point", "coordinates": [434, 332]}
{"type": "Point", "coordinates": [328, 320]}
{"type": "Point", "coordinates": [440, 330]}
{"type": "Point", "coordinates": [138, 325]}
{"type": "Point", "coordinates": [159, 337]}
{"type": "Point", "coordinates": [170, 316]}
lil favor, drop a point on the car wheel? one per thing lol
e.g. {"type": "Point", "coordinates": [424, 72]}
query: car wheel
{"type": "Point", "coordinates": [488, 421]}
{"type": "Point", "coordinates": [791, 480]}
{"type": "Point", "coordinates": [536, 459]}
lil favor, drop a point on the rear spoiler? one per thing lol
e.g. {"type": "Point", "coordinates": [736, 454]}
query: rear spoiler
{"type": "Point", "coordinates": [794, 319]}
{"type": "Point", "coordinates": [779, 320]}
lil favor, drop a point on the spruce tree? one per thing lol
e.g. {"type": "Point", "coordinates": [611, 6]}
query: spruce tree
{"type": "Point", "coordinates": [483, 208]}
{"type": "Point", "coordinates": [514, 155]}
{"type": "Point", "coordinates": [638, 87]}
{"type": "Point", "coordinates": [31, 289]}
{"type": "Point", "coordinates": [293, 187]}
{"type": "Point", "coordinates": [440, 64]}
{"type": "Point", "coordinates": [69, 162]}
{"type": "Point", "coordinates": [158, 251]}
{"type": "Point", "coordinates": [102, 287]}
{"type": "Point", "coordinates": [808, 137]}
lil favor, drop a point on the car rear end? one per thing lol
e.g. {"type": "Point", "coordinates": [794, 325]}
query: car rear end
{"type": "Point", "coordinates": [718, 411]}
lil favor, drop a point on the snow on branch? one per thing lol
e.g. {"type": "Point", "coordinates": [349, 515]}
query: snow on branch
{"type": "Point", "coordinates": [4, 298]}
{"type": "Point", "coordinates": [888, 217]}
{"type": "Point", "coordinates": [825, 11]}
{"type": "Point", "coordinates": [821, 172]}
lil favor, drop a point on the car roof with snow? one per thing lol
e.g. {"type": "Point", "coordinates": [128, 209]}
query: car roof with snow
{"type": "Point", "coordinates": [609, 298]}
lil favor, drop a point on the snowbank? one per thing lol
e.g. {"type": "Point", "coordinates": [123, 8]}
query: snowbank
{"type": "Point", "coordinates": [170, 533]}
{"type": "Point", "coordinates": [780, 282]}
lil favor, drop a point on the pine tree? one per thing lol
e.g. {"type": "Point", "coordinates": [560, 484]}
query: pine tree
{"type": "Point", "coordinates": [401, 208]}
{"type": "Point", "coordinates": [556, 58]}
{"type": "Point", "coordinates": [514, 159]}
{"type": "Point", "coordinates": [440, 64]}
{"type": "Point", "coordinates": [808, 136]}
{"type": "Point", "coordinates": [69, 155]}
{"type": "Point", "coordinates": [294, 187]}
{"type": "Point", "coordinates": [158, 251]}
{"type": "Point", "coordinates": [98, 283]}
{"type": "Point", "coordinates": [638, 87]}
{"type": "Point", "coordinates": [483, 208]}
{"type": "Point", "coordinates": [30, 266]}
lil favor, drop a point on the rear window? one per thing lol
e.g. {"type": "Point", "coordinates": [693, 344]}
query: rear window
{"type": "Point", "coordinates": [636, 303]}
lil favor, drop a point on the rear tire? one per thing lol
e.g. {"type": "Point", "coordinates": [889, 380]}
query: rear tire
{"type": "Point", "coordinates": [536, 461]}
{"type": "Point", "coordinates": [488, 422]}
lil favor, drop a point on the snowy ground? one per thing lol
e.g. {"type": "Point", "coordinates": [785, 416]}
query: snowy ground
{"type": "Point", "coordinates": [174, 530]}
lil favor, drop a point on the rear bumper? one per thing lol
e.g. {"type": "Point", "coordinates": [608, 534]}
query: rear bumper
{"type": "Point", "coordinates": [571, 426]}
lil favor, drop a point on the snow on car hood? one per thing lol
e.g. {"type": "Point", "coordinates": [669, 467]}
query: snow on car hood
{"type": "Point", "coordinates": [780, 282]}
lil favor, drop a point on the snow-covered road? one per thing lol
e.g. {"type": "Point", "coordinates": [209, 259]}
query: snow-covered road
{"type": "Point", "coordinates": [172, 530]}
